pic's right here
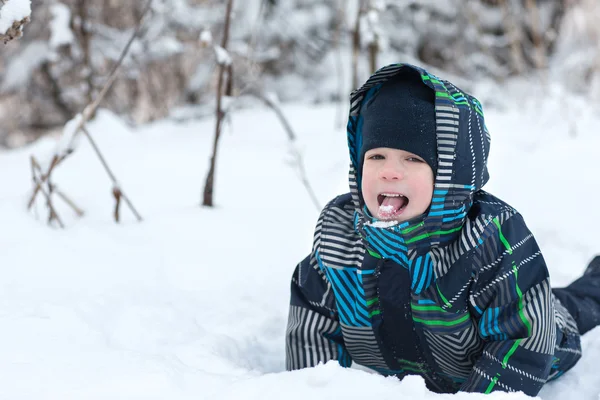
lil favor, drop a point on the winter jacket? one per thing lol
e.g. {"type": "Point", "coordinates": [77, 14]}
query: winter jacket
{"type": "Point", "coordinates": [460, 295]}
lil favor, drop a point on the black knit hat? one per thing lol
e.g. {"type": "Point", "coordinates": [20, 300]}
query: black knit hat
{"type": "Point", "coordinates": [401, 115]}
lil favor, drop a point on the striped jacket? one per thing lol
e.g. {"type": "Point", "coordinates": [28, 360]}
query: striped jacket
{"type": "Point", "coordinates": [460, 296]}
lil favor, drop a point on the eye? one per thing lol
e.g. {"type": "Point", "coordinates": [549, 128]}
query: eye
{"type": "Point", "coordinates": [414, 159]}
{"type": "Point", "coordinates": [375, 157]}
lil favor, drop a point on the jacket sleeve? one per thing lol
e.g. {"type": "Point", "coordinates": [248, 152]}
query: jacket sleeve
{"type": "Point", "coordinates": [313, 332]}
{"type": "Point", "coordinates": [512, 303]}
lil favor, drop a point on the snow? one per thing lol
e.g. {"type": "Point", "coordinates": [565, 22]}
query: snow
{"type": "Point", "coordinates": [13, 10]}
{"type": "Point", "coordinates": [206, 37]}
{"type": "Point", "coordinates": [68, 141]}
{"type": "Point", "coordinates": [223, 57]}
{"type": "Point", "coordinates": [192, 303]}
{"type": "Point", "coordinates": [19, 69]}
{"type": "Point", "coordinates": [60, 31]}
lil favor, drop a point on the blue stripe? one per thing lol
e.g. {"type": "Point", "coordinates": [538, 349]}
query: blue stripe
{"type": "Point", "coordinates": [351, 283]}
{"type": "Point", "coordinates": [426, 302]}
{"type": "Point", "coordinates": [359, 312]}
{"type": "Point", "coordinates": [459, 216]}
{"type": "Point", "coordinates": [496, 316]}
{"type": "Point", "coordinates": [425, 278]}
{"type": "Point", "coordinates": [415, 272]}
{"type": "Point", "coordinates": [482, 327]}
{"type": "Point", "coordinates": [345, 313]}
{"type": "Point", "coordinates": [365, 271]}
{"type": "Point", "coordinates": [376, 242]}
{"type": "Point", "coordinates": [445, 212]}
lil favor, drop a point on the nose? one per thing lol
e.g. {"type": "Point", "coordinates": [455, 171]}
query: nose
{"type": "Point", "coordinates": [392, 170]}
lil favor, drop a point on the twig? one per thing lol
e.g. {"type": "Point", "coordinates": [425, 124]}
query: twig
{"type": "Point", "coordinates": [52, 214]}
{"type": "Point", "coordinates": [64, 197]}
{"type": "Point", "coordinates": [35, 166]}
{"type": "Point", "coordinates": [207, 199]}
{"type": "Point", "coordinates": [278, 112]}
{"type": "Point", "coordinates": [38, 186]}
{"type": "Point", "coordinates": [292, 138]}
{"type": "Point", "coordinates": [116, 185]}
{"type": "Point", "coordinates": [117, 195]}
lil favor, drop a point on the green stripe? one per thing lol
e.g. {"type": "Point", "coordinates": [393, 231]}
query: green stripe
{"type": "Point", "coordinates": [426, 235]}
{"type": "Point", "coordinates": [427, 308]}
{"type": "Point", "coordinates": [414, 369]}
{"type": "Point", "coordinates": [371, 252]}
{"type": "Point", "coordinates": [492, 384]}
{"type": "Point", "coordinates": [369, 302]}
{"type": "Point", "coordinates": [446, 302]}
{"type": "Point", "coordinates": [521, 306]}
{"type": "Point", "coordinates": [412, 228]}
{"type": "Point", "coordinates": [461, 103]}
{"type": "Point", "coordinates": [502, 238]}
{"type": "Point", "coordinates": [373, 313]}
{"type": "Point", "coordinates": [442, 323]}
{"type": "Point", "coordinates": [411, 363]}
{"type": "Point", "coordinates": [428, 78]}
{"type": "Point", "coordinates": [510, 352]}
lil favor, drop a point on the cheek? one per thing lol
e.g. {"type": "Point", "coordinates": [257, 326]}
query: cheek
{"type": "Point", "coordinates": [368, 191]}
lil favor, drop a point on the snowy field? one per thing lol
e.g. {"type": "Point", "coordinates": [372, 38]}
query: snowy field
{"type": "Point", "coordinates": [192, 302]}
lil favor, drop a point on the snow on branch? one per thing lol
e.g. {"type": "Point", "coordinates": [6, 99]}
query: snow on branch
{"type": "Point", "coordinates": [223, 57]}
{"type": "Point", "coordinates": [14, 14]}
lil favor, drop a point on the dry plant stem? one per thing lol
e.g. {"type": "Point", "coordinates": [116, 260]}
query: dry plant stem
{"type": "Point", "coordinates": [38, 186]}
{"type": "Point", "coordinates": [52, 214]}
{"type": "Point", "coordinates": [64, 197]}
{"type": "Point", "coordinates": [117, 195]}
{"type": "Point", "coordinates": [292, 137]}
{"type": "Point", "coordinates": [207, 199]}
{"type": "Point", "coordinates": [279, 113]}
{"type": "Point", "coordinates": [35, 166]}
{"type": "Point", "coordinates": [304, 177]}
{"type": "Point", "coordinates": [110, 173]}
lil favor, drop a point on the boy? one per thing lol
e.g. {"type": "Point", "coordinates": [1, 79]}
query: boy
{"type": "Point", "coordinates": [419, 271]}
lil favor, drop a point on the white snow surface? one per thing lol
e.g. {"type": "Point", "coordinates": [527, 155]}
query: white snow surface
{"type": "Point", "coordinates": [192, 302]}
{"type": "Point", "coordinates": [13, 10]}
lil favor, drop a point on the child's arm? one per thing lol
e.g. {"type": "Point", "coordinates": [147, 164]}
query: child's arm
{"type": "Point", "coordinates": [313, 333]}
{"type": "Point", "coordinates": [512, 300]}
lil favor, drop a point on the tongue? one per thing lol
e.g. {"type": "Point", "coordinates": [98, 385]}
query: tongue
{"type": "Point", "coordinates": [390, 206]}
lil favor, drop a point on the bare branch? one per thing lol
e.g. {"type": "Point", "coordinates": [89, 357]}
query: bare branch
{"type": "Point", "coordinates": [112, 176]}
{"type": "Point", "coordinates": [210, 177]}
{"type": "Point", "coordinates": [48, 195]}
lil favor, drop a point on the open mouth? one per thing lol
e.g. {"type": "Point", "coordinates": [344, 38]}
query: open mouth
{"type": "Point", "coordinates": [391, 205]}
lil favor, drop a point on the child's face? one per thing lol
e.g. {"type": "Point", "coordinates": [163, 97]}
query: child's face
{"type": "Point", "coordinates": [396, 185]}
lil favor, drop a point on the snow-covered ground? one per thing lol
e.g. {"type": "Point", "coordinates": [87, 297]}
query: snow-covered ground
{"type": "Point", "coordinates": [192, 302]}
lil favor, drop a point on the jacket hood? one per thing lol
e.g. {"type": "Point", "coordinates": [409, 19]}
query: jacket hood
{"type": "Point", "coordinates": [463, 144]}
